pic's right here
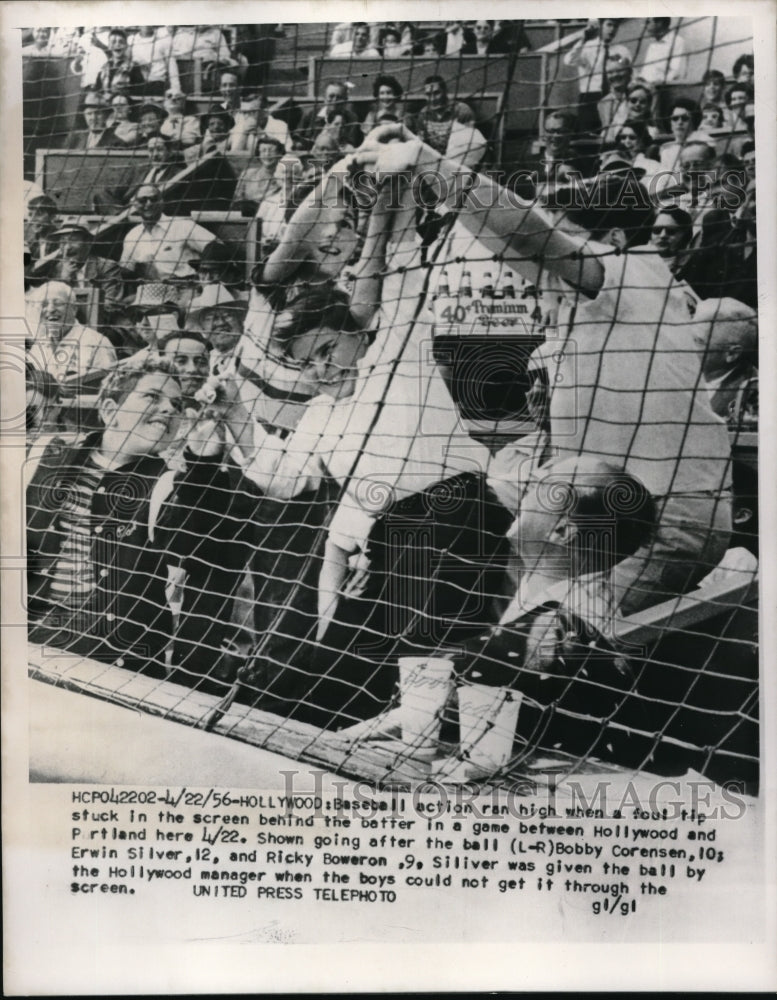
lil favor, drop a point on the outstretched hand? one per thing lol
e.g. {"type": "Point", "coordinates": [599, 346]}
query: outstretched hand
{"type": "Point", "coordinates": [388, 149]}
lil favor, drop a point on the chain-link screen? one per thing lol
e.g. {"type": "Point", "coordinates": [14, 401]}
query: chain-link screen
{"type": "Point", "coordinates": [392, 388]}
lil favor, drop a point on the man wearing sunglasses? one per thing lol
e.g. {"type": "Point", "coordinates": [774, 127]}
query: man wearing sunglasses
{"type": "Point", "coordinates": [161, 246]}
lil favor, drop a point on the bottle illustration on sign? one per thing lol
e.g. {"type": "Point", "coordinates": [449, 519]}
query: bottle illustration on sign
{"type": "Point", "coordinates": [508, 285]}
{"type": "Point", "coordinates": [465, 289]}
{"type": "Point", "coordinates": [487, 289]}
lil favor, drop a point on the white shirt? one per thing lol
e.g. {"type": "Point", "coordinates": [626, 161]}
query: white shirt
{"type": "Point", "coordinates": [168, 244]}
{"type": "Point", "coordinates": [628, 387]}
{"type": "Point", "coordinates": [665, 60]}
{"type": "Point", "coordinates": [155, 57]}
{"type": "Point", "coordinates": [79, 352]}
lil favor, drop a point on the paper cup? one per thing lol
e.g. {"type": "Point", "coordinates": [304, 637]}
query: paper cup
{"type": "Point", "coordinates": [424, 687]}
{"type": "Point", "coordinates": [488, 717]}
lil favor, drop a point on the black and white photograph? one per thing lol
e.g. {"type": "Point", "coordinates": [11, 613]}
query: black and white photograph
{"type": "Point", "coordinates": [382, 561]}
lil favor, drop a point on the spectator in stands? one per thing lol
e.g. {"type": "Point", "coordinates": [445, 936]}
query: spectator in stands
{"type": "Point", "coordinates": [150, 120]}
{"type": "Point", "coordinates": [217, 125]}
{"type": "Point", "coordinates": [216, 266]}
{"type": "Point", "coordinates": [160, 247]}
{"type": "Point", "coordinates": [671, 234]}
{"type": "Point", "coordinates": [155, 312]}
{"type": "Point", "coordinates": [743, 70]}
{"type": "Point", "coordinates": [394, 43]}
{"type": "Point", "coordinates": [713, 88]}
{"type": "Point", "coordinates": [343, 32]}
{"type": "Point", "coordinates": [178, 126]}
{"type": "Point", "coordinates": [187, 355]}
{"type": "Point", "coordinates": [253, 122]}
{"type": "Point", "coordinates": [557, 163]}
{"type": "Point", "coordinates": [255, 183]}
{"type": "Point", "coordinates": [119, 61]}
{"type": "Point", "coordinates": [255, 44]}
{"type": "Point", "coordinates": [434, 121]}
{"type": "Point", "coordinates": [40, 44]}
{"type": "Point", "coordinates": [39, 226]}
{"type": "Point", "coordinates": [151, 48]}
{"type": "Point", "coordinates": [120, 84]}
{"type": "Point", "coordinates": [713, 117]}
{"type": "Point", "coordinates": [726, 333]}
{"type": "Point", "coordinates": [738, 97]}
{"type": "Point", "coordinates": [747, 155]}
{"type": "Point", "coordinates": [62, 346]}
{"type": "Point", "coordinates": [641, 106]}
{"type": "Point", "coordinates": [665, 58]}
{"type": "Point", "coordinates": [485, 41]}
{"type": "Point", "coordinates": [590, 54]}
{"type": "Point", "coordinates": [106, 599]}
{"type": "Point", "coordinates": [633, 142]}
{"type": "Point", "coordinates": [229, 91]}
{"type": "Point", "coordinates": [684, 119]}
{"type": "Point", "coordinates": [220, 323]}
{"type": "Point", "coordinates": [77, 265]}
{"type": "Point", "coordinates": [614, 107]}
{"type": "Point", "coordinates": [358, 46]}
{"type": "Point", "coordinates": [387, 92]}
{"type": "Point", "coordinates": [122, 120]}
{"type": "Point", "coordinates": [165, 161]}
{"type": "Point", "coordinates": [313, 120]}
{"type": "Point", "coordinates": [98, 134]}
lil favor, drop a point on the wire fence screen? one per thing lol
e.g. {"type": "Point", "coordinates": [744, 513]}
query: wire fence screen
{"type": "Point", "coordinates": [392, 389]}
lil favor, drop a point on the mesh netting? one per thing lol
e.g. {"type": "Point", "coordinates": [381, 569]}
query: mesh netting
{"type": "Point", "coordinates": [392, 388]}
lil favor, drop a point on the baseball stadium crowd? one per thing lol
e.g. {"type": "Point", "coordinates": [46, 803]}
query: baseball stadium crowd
{"type": "Point", "coordinates": [312, 385]}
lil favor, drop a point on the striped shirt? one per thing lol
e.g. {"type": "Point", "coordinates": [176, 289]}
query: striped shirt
{"type": "Point", "coordinates": [72, 575]}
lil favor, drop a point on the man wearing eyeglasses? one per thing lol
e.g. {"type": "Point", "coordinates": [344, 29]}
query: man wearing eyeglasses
{"type": "Point", "coordinates": [161, 246]}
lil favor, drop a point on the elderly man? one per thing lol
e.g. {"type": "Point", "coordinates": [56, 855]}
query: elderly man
{"type": "Point", "coordinates": [98, 134]}
{"type": "Point", "coordinates": [160, 247]}
{"type": "Point", "coordinates": [62, 346]}
{"type": "Point", "coordinates": [314, 120]}
{"type": "Point", "coordinates": [726, 331]}
{"type": "Point", "coordinates": [119, 61]}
